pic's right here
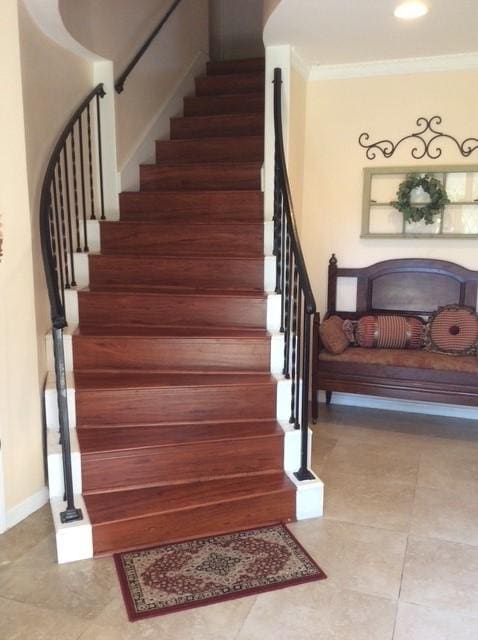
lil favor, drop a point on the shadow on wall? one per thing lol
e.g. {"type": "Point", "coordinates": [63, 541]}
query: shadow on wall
{"type": "Point", "coordinates": [235, 29]}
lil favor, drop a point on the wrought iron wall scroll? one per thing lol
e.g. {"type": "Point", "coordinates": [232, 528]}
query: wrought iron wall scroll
{"type": "Point", "coordinates": [427, 145]}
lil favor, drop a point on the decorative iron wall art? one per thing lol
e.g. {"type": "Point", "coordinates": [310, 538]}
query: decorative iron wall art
{"type": "Point", "coordinates": [427, 139]}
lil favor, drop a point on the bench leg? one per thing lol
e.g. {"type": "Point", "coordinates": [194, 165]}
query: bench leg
{"type": "Point", "coordinates": [328, 397]}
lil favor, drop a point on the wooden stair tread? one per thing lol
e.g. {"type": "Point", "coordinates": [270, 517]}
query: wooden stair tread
{"type": "Point", "coordinates": [193, 333]}
{"type": "Point", "coordinates": [211, 193]}
{"type": "Point", "coordinates": [172, 291]}
{"type": "Point", "coordinates": [224, 104]}
{"type": "Point", "coordinates": [211, 166]}
{"type": "Point", "coordinates": [137, 503]}
{"type": "Point", "coordinates": [171, 223]}
{"type": "Point", "coordinates": [242, 65]}
{"type": "Point", "coordinates": [213, 140]}
{"type": "Point", "coordinates": [102, 380]}
{"type": "Point", "coordinates": [219, 118]}
{"type": "Point", "coordinates": [207, 150]}
{"type": "Point", "coordinates": [95, 440]}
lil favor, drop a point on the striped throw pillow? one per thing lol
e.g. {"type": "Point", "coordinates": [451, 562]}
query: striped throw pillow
{"type": "Point", "coordinates": [390, 332]}
{"type": "Point", "coordinates": [453, 330]}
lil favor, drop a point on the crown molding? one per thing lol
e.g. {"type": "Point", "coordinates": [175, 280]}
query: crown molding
{"type": "Point", "coordinates": [299, 64]}
{"type": "Point", "coordinates": [457, 62]}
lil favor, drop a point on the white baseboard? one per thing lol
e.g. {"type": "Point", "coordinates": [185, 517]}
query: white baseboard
{"type": "Point", "coordinates": [410, 406]}
{"type": "Point", "coordinates": [3, 515]}
{"type": "Point", "coordinates": [159, 127]}
{"type": "Point", "coordinates": [25, 508]}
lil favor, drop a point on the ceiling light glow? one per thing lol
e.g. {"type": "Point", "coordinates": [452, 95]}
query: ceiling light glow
{"type": "Point", "coordinates": [411, 10]}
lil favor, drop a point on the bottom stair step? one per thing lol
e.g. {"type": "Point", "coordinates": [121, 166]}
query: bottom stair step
{"type": "Point", "coordinates": [143, 517]}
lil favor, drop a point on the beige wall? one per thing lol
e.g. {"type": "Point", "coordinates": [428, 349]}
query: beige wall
{"type": "Point", "coordinates": [20, 386]}
{"type": "Point", "coordinates": [115, 29]}
{"type": "Point", "coordinates": [54, 82]}
{"type": "Point", "coordinates": [337, 112]}
{"type": "Point", "coordinates": [295, 154]}
{"type": "Point", "coordinates": [268, 7]}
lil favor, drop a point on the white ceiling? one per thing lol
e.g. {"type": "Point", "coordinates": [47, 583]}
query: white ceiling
{"type": "Point", "coordinates": [330, 32]}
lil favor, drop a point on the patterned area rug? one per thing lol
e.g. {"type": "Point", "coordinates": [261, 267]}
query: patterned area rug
{"type": "Point", "coordinates": [183, 575]}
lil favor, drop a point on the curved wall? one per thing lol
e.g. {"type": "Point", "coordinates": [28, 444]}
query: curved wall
{"type": "Point", "coordinates": [115, 29]}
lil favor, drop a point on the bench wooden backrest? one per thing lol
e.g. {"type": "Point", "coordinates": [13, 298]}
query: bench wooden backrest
{"type": "Point", "coordinates": [407, 286]}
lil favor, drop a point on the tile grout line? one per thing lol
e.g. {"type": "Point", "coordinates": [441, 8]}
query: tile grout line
{"type": "Point", "coordinates": [406, 546]}
{"type": "Point", "coordinates": [246, 617]}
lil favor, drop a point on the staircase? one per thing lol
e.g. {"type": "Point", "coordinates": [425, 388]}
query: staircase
{"type": "Point", "coordinates": [175, 401]}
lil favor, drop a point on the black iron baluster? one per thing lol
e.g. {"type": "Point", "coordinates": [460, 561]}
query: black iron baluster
{"type": "Point", "coordinates": [283, 273]}
{"type": "Point", "coordinates": [90, 163]}
{"type": "Point", "coordinates": [75, 189]}
{"type": "Point", "coordinates": [83, 185]}
{"type": "Point", "coordinates": [298, 358]}
{"type": "Point", "coordinates": [278, 209]}
{"type": "Point", "coordinates": [100, 154]}
{"type": "Point", "coordinates": [68, 212]}
{"type": "Point", "coordinates": [63, 225]}
{"type": "Point", "coordinates": [58, 229]}
{"type": "Point", "coordinates": [303, 473]}
{"type": "Point", "coordinates": [293, 338]}
{"type": "Point", "coordinates": [53, 241]}
{"type": "Point", "coordinates": [287, 306]}
{"type": "Point", "coordinates": [70, 513]}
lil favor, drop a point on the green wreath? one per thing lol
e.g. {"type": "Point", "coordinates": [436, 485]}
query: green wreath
{"type": "Point", "coordinates": [428, 211]}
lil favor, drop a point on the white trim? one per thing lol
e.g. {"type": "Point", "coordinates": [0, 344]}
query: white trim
{"type": "Point", "coordinates": [3, 515]}
{"type": "Point", "coordinates": [82, 269]}
{"type": "Point", "coordinates": [309, 497]}
{"type": "Point", "coordinates": [56, 483]}
{"type": "Point", "coordinates": [410, 406]}
{"type": "Point", "coordinates": [25, 508]}
{"type": "Point", "coordinates": [300, 65]}
{"type": "Point", "coordinates": [159, 127]}
{"type": "Point", "coordinates": [400, 66]}
{"type": "Point", "coordinates": [74, 541]}
{"type": "Point", "coordinates": [51, 402]}
{"type": "Point", "coordinates": [273, 312]}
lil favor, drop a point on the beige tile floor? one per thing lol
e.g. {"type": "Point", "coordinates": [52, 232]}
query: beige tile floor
{"type": "Point", "coordinates": [399, 542]}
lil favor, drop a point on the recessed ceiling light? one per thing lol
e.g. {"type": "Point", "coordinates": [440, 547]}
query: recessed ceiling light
{"type": "Point", "coordinates": [411, 10]}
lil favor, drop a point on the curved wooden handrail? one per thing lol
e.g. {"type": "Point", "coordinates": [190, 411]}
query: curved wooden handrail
{"type": "Point", "coordinates": [119, 84]}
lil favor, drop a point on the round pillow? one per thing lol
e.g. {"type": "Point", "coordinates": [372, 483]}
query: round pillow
{"type": "Point", "coordinates": [453, 330]}
{"type": "Point", "coordinates": [390, 332]}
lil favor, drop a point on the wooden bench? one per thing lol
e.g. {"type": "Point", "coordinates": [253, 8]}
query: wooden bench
{"type": "Point", "coordinates": [405, 287]}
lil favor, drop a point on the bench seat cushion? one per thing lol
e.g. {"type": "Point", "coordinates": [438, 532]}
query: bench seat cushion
{"type": "Point", "coordinates": [403, 358]}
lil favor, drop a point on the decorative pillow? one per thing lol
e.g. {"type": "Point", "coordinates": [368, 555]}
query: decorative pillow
{"type": "Point", "coordinates": [390, 332]}
{"type": "Point", "coordinates": [453, 330]}
{"type": "Point", "coordinates": [332, 335]}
